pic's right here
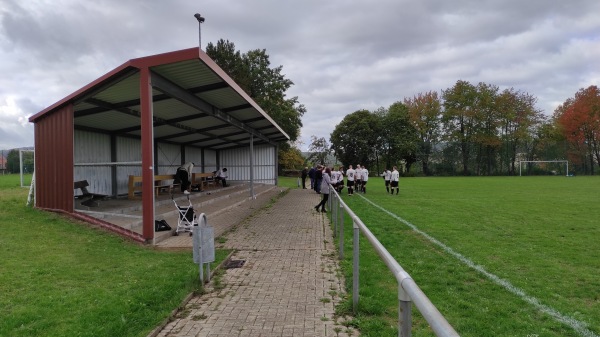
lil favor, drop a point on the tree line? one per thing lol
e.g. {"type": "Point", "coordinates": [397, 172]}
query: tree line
{"type": "Point", "coordinates": [472, 129]}
{"type": "Point", "coordinates": [468, 129]}
{"type": "Point", "coordinates": [13, 164]}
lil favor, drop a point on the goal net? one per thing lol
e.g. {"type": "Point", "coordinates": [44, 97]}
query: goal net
{"type": "Point", "coordinates": [544, 167]}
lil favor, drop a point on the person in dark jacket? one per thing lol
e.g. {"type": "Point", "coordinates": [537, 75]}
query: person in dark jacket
{"type": "Point", "coordinates": [311, 175]}
{"type": "Point", "coordinates": [318, 178]}
{"type": "Point", "coordinates": [303, 175]}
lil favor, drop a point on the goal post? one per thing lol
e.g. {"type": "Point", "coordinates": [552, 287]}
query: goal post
{"type": "Point", "coordinates": [546, 161]}
{"type": "Point", "coordinates": [23, 168]}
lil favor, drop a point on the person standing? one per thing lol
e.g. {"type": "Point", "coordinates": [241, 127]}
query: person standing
{"type": "Point", "coordinates": [334, 177]}
{"type": "Point", "coordinates": [350, 173]}
{"type": "Point", "coordinates": [340, 183]}
{"type": "Point", "coordinates": [303, 175]}
{"type": "Point", "coordinates": [318, 178]}
{"type": "Point", "coordinates": [394, 178]}
{"type": "Point", "coordinates": [387, 174]}
{"type": "Point", "coordinates": [324, 190]}
{"type": "Point", "coordinates": [184, 174]}
{"type": "Point", "coordinates": [365, 179]}
{"type": "Point", "coordinates": [311, 175]}
{"type": "Point", "coordinates": [358, 178]}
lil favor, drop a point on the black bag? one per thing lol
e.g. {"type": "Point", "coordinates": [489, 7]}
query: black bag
{"type": "Point", "coordinates": [161, 226]}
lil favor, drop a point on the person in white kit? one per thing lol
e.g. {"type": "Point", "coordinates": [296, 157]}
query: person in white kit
{"type": "Point", "coordinates": [358, 178]}
{"type": "Point", "coordinates": [350, 173]}
{"type": "Point", "coordinates": [387, 175]}
{"type": "Point", "coordinates": [365, 178]}
{"type": "Point", "coordinates": [394, 180]}
{"type": "Point", "coordinates": [335, 178]}
{"type": "Point", "coordinates": [340, 183]}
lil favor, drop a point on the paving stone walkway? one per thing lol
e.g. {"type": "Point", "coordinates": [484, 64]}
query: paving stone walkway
{"type": "Point", "coordinates": [288, 286]}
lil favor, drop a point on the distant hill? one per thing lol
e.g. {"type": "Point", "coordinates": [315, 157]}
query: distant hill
{"type": "Point", "coordinates": [6, 151]}
{"type": "Point", "coordinates": [331, 160]}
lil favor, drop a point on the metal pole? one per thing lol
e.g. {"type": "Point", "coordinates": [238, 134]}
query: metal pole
{"type": "Point", "coordinates": [200, 21]}
{"type": "Point", "coordinates": [334, 212]}
{"type": "Point", "coordinates": [21, 166]}
{"type": "Point", "coordinates": [341, 228]}
{"type": "Point", "coordinates": [404, 313]}
{"type": "Point", "coordinates": [355, 251]}
{"type": "Point", "coordinates": [252, 167]}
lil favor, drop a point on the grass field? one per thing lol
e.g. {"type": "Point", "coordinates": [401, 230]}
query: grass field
{"type": "Point", "coordinates": [61, 278]}
{"type": "Point", "coordinates": [539, 234]}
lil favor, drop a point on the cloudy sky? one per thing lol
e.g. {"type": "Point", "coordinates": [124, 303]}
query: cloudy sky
{"type": "Point", "coordinates": [342, 55]}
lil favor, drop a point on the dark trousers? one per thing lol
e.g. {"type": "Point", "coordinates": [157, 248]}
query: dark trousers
{"type": "Point", "coordinates": [223, 181]}
{"type": "Point", "coordinates": [323, 202]}
{"type": "Point", "coordinates": [303, 182]}
{"type": "Point", "coordinates": [182, 175]}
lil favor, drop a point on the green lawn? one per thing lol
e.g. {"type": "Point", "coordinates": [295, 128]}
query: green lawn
{"type": "Point", "coordinates": [541, 234]}
{"type": "Point", "coordinates": [62, 278]}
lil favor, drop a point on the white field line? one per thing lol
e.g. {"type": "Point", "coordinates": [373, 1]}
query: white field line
{"type": "Point", "coordinates": [578, 326]}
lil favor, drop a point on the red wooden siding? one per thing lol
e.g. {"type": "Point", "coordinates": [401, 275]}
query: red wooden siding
{"type": "Point", "coordinates": [54, 160]}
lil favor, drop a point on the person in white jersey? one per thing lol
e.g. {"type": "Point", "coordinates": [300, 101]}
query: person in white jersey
{"type": "Point", "coordinates": [394, 180]}
{"type": "Point", "coordinates": [350, 173]}
{"type": "Point", "coordinates": [336, 178]}
{"type": "Point", "coordinates": [387, 175]}
{"type": "Point", "coordinates": [340, 185]}
{"type": "Point", "coordinates": [358, 178]}
{"type": "Point", "coordinates": [365, 178]}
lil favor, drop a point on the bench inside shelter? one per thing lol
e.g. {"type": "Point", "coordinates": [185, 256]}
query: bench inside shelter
{"type": "Point", "coordinates": [88, 199]}
{"type": "Point", "coordinates": [162, 182]}
{"type": "Point", "coordinates": [204, 179]}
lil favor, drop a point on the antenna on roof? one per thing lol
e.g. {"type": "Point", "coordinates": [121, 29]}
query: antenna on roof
{"type": "Point", "coordinates": [200, 21]}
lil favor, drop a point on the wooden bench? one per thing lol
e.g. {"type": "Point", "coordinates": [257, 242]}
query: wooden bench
{"type": "Point", "coordinates": [135, 184]}
{"type": "Point", "coordinates": [204, 179]}
{"type": "Point", "coordinates": [86, 196]}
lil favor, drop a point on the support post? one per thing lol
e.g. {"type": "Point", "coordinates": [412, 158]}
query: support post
{"type": "Point", "coordinates": [147, 154]}
{"type": "Point", "coordinates": [252, 167]}
{"type": "Point", "coordinates": [355, 271]}
{"type": "Point", "coordinates": [404, 313]}
{"type": "Point", "coordinates": [341, 235]}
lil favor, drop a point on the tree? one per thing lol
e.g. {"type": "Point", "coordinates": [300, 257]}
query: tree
{"type": "Point", "coordinates": [460, 118]}
{"type": "Point", "coordinates": [319, 149]}
{"type": "Point", "coordinates": [13, 164]}
{"type": "Point", "coordinates": [267, 86]}
{"type": "Point", "coordinates": [485, 137]}
{"type": "Point", "coordinates": [291, 159]}
{"type": "Point", "coordinates": [355, 138]}
{"type": "Point", "coordinates": [399, 139]}
{"type": "Point", "coordinates": [424, 112]}
{"type": "Point", "coordinates": [520, 123]}
{"type": "Point", "coordinates": [579, 119]}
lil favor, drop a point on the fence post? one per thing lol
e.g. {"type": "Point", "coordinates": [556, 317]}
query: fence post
{"type": "Point", "coordinates": [404, 313]}
{"type": "Point", "coordinates": [355, 255]}
{"type": "Point", "coordinates": [334, 212]}
{"type": "Point", "coordinates": [341, 228]}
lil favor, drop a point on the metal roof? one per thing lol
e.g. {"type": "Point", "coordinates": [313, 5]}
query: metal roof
{"type": "Point", "coordinates": [195, 103]}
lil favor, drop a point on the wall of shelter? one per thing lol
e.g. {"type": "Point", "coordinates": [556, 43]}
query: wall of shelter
{"type": "Point", "coordinates": [237, 162]}
{"type": "Point", "coordinates": [106, 161]}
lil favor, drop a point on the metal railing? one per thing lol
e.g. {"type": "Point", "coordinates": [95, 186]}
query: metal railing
{"type": "Point", "coordinates": [408, 290]}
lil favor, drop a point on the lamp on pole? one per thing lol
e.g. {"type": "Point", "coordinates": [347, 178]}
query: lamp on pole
{"type": "Point", "coordinates": [200, 21]}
